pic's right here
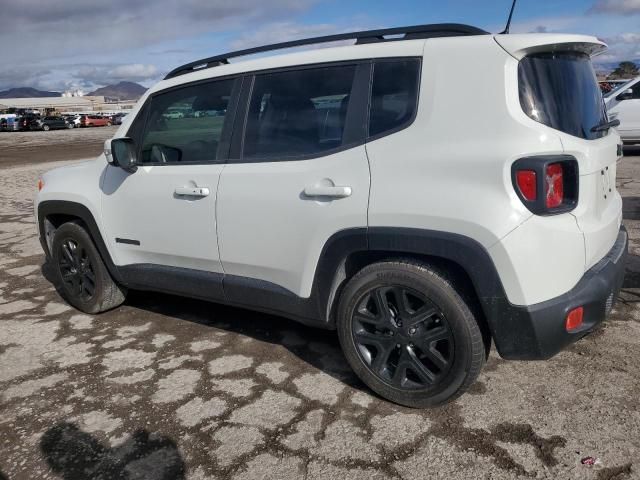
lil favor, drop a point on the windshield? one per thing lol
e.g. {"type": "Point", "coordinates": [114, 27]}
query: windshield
{"type": "Point", "coordinates": [560, 90]}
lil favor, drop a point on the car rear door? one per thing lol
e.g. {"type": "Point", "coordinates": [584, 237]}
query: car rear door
{"type": "Point", "coordinates": [298, 174]}
{"type": "Point", "coordinates": [163, 214]}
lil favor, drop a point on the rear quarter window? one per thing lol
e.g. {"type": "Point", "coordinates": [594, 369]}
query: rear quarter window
{"type": "Point", "coordinates": [394, 95]}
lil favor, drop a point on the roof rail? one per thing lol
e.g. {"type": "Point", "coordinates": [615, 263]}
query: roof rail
{"type": "Point", "coordinates": [363, 37]}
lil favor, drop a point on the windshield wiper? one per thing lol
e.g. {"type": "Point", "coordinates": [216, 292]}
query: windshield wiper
{"type": "Point", "coordinates": [603, 127]}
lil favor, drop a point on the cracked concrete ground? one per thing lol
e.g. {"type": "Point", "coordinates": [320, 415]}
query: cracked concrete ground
{"type": "Point", "coordinates": [170, 388]}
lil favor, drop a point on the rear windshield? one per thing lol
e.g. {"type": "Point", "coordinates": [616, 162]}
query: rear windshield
{"type": "Point", "coordinates": [560, 90]}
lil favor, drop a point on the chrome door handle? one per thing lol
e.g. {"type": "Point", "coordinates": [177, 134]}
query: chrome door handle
{"type": "Point", "coordinates": [192, 191]}
{"type": "Point", "coordinates": [327, 191]}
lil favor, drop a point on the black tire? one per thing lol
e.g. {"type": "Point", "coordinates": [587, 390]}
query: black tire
{"type": "Point", "coordinates": [45, 128]}
{"type": "Point", "coordinates": [83, 279]}
{"type": "Point", "coordinates": [412, 362]}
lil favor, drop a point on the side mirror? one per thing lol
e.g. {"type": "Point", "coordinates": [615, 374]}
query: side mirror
{"type": "Point", "coordinates": [626, 95]}
{"type": "Point", "coordinates": [123, 154]}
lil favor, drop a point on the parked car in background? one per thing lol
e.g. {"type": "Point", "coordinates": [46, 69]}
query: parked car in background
{"type": "Point", "coordinates": [28, 121]}
{"type": "Point", "coordinates": [9, 122]}
{"type": "Point", "coordinates": [623, 104]}
{"type": "Point", "coordinates": [74, 120]}
{"type": "Point", "coordinates": [50, 123]}
{"type": "Point", "coordinates": [117, 118]}
{"type": "Point", "coordinates": [95, 121]}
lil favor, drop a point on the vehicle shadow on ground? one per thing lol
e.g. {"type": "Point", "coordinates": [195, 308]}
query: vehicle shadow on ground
{"type": "Point", "coordinates": [632, 275]}
{"type": "Point", "coordinates": [76, 455]}
{"type": "Point", "coordinates": [295, 337]}
{"type": "Point", "coordinates": [317, 347]}
{"type": "Point", "coordinates": [631, 208]}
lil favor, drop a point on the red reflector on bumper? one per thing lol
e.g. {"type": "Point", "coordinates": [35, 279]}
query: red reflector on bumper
{"type": "Point", "coordinates": [574, 319]}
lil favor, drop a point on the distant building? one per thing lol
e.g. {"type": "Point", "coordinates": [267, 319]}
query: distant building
{"type": "Point", "coordinates": [67, 104]}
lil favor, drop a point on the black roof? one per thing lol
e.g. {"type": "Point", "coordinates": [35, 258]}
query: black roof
{"type": "Point", "coordinates": [363, 37]}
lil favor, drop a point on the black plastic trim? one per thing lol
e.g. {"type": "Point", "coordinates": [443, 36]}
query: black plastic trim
{"type": "Point", "coordinates": [173, 280]}
{"type": "Point", "coordinates": [128, 241]}
{"type": "Point", "coordinates": [73, 209]}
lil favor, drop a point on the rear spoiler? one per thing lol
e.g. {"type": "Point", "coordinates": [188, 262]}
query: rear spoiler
{"type": "Point", "coordinates": [519, 46]}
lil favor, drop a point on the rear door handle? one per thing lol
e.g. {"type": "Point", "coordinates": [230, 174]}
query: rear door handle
{"type": "Point", "coordinates": [192, 191]}
{"type": "Point", "coordinates": [327, 191]}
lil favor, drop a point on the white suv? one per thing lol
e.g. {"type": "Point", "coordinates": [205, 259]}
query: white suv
{"type": "Point", "coordinates": [377, 189]}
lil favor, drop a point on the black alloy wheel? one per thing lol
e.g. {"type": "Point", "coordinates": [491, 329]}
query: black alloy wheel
{"type": "Point", "coordinates": [76, 269]}
{"type": "Point", "coordinates": [403, 337]}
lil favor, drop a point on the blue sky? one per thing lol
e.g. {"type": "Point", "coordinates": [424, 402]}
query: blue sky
{"type": "Point", "coordinates": [67, 44]}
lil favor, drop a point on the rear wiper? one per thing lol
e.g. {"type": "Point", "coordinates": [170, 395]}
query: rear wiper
{"type": "Point", "coordinates": [605, 126]}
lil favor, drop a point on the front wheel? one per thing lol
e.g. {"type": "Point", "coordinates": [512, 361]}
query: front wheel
{"type": "Point", "coordinates": [45, 128]}
{"type": "Point", "coordinates": [82, 276]}
{"type": "Point", "coordinates": [408, 334]}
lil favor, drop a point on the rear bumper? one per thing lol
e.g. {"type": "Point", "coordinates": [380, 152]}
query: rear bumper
{"type": "Point", "coordinates": [538, 332]}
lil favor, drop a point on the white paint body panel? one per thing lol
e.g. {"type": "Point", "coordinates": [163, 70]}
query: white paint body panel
{"type": "Point", "coordinates": [270, 230]}
{"type": "Point", "coordinates": [173, 230]}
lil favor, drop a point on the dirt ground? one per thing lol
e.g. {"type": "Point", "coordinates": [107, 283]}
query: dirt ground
{"type": "Point", "coordinates": [21, 148]}
{"type": "Point", "coordinates": [169, 388]}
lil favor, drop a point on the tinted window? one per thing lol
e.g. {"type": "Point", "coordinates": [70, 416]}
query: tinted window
{"type": "Point", "coordinates": [560, 90]}
{"type": "Point", "coordinates": [298, 113]}
{"type": "Point", "coordinates": [394, 95]}
{"type": "Point", "coordinates": [185, 125]}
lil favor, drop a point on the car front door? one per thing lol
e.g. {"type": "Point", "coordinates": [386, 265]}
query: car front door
{"type": "Point", "coordinates": [163, 214]}
{"type": "Point", "coordinates": [627, 110]}
{"type": "Point", "coordinates": [297, 175]}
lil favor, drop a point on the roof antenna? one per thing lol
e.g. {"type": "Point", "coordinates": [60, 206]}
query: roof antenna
{"type": "Point", "coordinates": [506, 30]}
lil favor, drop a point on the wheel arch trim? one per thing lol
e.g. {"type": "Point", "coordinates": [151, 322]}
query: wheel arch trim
{"type": "Point", "coordinates": [47, 208]}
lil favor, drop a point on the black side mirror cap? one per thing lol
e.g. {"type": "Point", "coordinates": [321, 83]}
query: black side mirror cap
{"type": "Point", "coordinates": [124, 154]}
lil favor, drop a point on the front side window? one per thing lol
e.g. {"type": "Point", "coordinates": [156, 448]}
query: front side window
{"type": "Point", "coordinates": [185, 125]}
{"type": "Point", "coordinates": [561, 91]}
{"type": "Point", "coordinates": [298, 113]}
{"type": "Point", "coordinates": [394, 95]}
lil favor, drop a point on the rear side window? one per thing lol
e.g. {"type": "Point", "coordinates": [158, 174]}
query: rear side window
{"type": "Point", "coordinates": [298, 113]}
{"type": "Point", "coordinates": [560, 90]}
{"type": "Point", "coordinates": [185, 125]}
{"type": "Point", "coordinates": [394, 95]}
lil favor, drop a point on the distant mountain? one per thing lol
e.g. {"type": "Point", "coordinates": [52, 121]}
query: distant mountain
{"type": "Point", "coordinates": [121, 91]}
{"type": "Point", "coordinates": [27, 92]}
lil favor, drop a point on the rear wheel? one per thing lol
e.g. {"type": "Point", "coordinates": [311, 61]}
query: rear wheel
{"type": "Point", "coordinates": [108, 124]}
{"type": "Point", "coordinates": [45, 128]}
{"type": "Point", "coordinates": [84, 280]}
{"type": "Point", "coordinates": [408, 334]}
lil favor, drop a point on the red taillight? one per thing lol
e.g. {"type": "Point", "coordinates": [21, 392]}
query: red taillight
{"type": "Point", "coordinates": [527, 184]}
{"type": "Point", "coordinates": [574, 319]}
{"type": "Point", "coordinates": [554, 186]}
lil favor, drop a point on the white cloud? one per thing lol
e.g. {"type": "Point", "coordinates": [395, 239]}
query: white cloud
{"type": "Point", "coordinates": [62, 32]}
{"type": "Point", "coordinates": [616, 7]}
